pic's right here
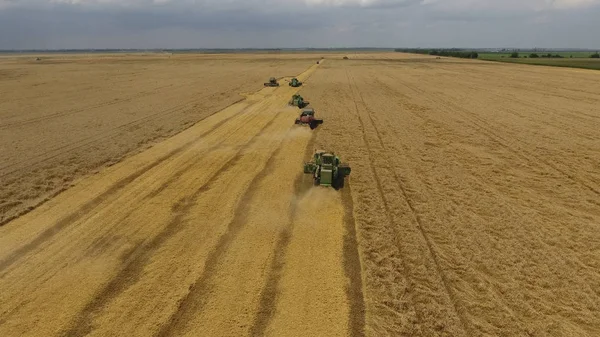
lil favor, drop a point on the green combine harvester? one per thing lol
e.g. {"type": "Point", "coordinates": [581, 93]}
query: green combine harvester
{"type": "Point", "coordinates": [298, 101]}
{"type": "Point", "coordinates": [295, 83]}
{"type": "Point", "coordinates": [327, 169]}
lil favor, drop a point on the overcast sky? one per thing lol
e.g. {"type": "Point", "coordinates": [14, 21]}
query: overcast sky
{"type": "Point", "coordinates": [57, 24]}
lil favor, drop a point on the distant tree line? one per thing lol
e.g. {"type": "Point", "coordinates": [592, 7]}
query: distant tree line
{"type": "Point", "coordinates": [455, 53]}
{"type": "Point", "coordinates": [413, 51]}
{"type": "Point", "coordinates": [442, 52]}
{"type": "Point", "coordinates": [473, 55]}
{"type": "Point", "coordinates": [515, 55]}
{"type": "Point", "coordinates": [555, 56]}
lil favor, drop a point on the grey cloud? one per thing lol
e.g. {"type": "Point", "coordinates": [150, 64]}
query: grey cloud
{"type": "Point", "coordinates": [480, 16]}
{"type": "Point", "coordinates": [270, 24]}
{"type": "Point", "coordinates": [366, 4]}
{"type": "Point", "coordinates": [231, 20]}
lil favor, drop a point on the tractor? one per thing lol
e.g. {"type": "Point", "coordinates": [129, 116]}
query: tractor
{"type": "Point", "coordinates": [307, 117]}
{"type": "Point", "coordinates": [272, 82]}
{"type": "Point", "coordinates": [295, 83]}
{"type": "Point", "coordinates": [298, 101]}
{"type": "Point", "coordinates": [327, 169]}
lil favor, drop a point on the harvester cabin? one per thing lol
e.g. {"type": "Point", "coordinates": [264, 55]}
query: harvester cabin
{"type": "Point", "coordinates": [308, 112]}
{"type": "Point", "coordinates": [327, 159]}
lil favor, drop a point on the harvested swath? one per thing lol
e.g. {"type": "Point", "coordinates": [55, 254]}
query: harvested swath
{"type": "Point", "coordinates": [475, 188]}
{"type": "Point", "coordinates": [74, 114]}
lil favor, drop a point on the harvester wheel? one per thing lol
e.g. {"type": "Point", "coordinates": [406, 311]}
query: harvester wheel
{"type": "Point", "coordinates": [338, 182]}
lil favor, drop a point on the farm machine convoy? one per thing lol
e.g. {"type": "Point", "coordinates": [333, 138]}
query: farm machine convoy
{"type": "Point", "coordinates": [307, 117]}
{"type": "Point", "coordinates": [327, 170]}
{"type": "Point", "coordinates": [272, 82]}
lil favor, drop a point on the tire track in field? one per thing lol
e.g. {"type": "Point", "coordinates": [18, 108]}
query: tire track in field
{"type": "Point", "coordinates": [82, 143]}
{"type": "Point", "coordinates": [188, 164]}
{"type": "Point", "coordinates": [377, 180]}
{"type": "Point", "coordinates": [408, 107]}
{"type": "Point", "coordinates": [415, 215]}
{"type": "Point", "coordinates": [195, 299]}
{"type": "Point", "coordinates": [85, 142]}
{"type": "Point", "coordinates": [418, 221]}
{"type": "Point", "coordinates": [109, 103]}
{"type": "Point", "coordinates": [269, 293]}
{"type": "Point", "coordinates": [481, 124]}
{"type": "Point", "coordinates": [515, 153]}
{"type": "Point", "coordinates": [489, 132]}
{"type": "Point", "coordinates": [353, 268]}
{"type": "Point", "coordinates": [75, 111]}
{"type": "Point", "coordinates": [89, 206]}
{"type": "Point", "coordinates": [134, 261]}
{"type": "Point", "coordinates": [525, 154]}
{"type": "Point", "coordinates": [5, 221]}
{"type": "Point", "coordinates": [136, 258]}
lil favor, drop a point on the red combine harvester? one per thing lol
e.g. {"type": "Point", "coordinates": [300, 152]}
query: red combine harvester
{"type": "Point", "coordinates": [307, 117]}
